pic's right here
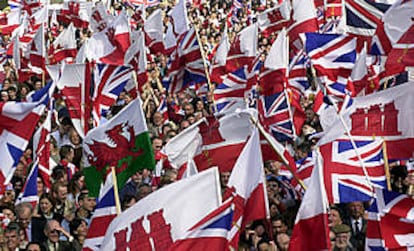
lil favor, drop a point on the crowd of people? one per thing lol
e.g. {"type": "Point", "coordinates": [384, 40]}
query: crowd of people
{"type": "Point", "coordinates": [60, 219]}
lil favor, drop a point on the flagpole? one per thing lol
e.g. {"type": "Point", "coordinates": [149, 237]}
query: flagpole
{"type": "Point", "coordinates": [386, 164]}
{"type": "Point", "coordinates": [284, 161]}
{"type": "Point", "coordinates": [116, 194]}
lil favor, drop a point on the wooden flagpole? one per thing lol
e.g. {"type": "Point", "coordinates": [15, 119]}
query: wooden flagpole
{"type": "Point", "coordinates": [386, 164]}
{"type": "Point", "coordinates": [116, 194]}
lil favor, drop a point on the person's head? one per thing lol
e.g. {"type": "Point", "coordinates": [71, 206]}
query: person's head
{"type": "Point", "coordinates": [356, 209]}
{"type": "Point", "coordinates": [52, 231]}
{"type": "Point", "coordinates": [282, 240]}
{"type": "Point", "coordinates": [157, 119]}
{"type": "Point", "coordinates": [188, 108]}
{"type": "Point", "coordinates": [20, 170]}
{"type": "Point", "coordinates": [35, 246]}
{"type": "Point", "coordinates": [24, 213]}
{"type": "Point", "coordinates": [342, 236]}
{"type": "Point", "coordinates": [128, 201]}
{"type": "Point", "coordinates": [86, 202]}
{"type": "Point", "coordinates": [279, 225]}
{"type": "Point", "coordinates": [11, 234]}
{"type": "Point", "coordinates": [272, 184]}
{"type": "Point", "coordinates": [12, 91]}
{"type": "Point", "coordinates": [67, 153]}
{"type": "Point", "coordinates": [59, 191]}
{"type": "Point", "coordinates": [9, 212]}
{"type": "Point", "coordinates": [143, 190]}
{"type": "Point", "coordinates": [335, 217]}
{"type": "Point", "coordinates": [74, 137]}
{"type": "Point", "coordinates": [4, 96]}
{"type": "Point", "coordinates": [157, 143]}
{"type": "Point", "coordinates": [78, 228]}
{"type": "Point", "coordinates": [273, 166]}
{"type": "Point", "coordinates": [45, 204]}
{"type": "Point", "coordinates": [169, 176]}
{"type": "Point", "coordinates": [59, 174]}
{"type": "Point", "coordinates": [184, 124]}
{"type": "Point", "coordinates": [77, 183]}
{"type": "Point", "coordinates": [40, 184]}
{"type": "Point", "coordinates": [224, 179]}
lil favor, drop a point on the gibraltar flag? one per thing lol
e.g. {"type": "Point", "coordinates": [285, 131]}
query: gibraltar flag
{"type": "Point", "coordinates": [163, 217]}
{"type": "Point", "coordinates": [311, 230]}
{"type": "Point", "coordinates": [386, 114]}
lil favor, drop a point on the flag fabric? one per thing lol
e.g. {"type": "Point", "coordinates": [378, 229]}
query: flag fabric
{"type": "Point", "coordinates": [41, 150]}
{"type": "Point", "coordinates": [109, 82]}
{"type": "Point", "coordinates": [298, 80]}
{"type": "Point", "coordinates": [243, 49]}
{"type": "Point", "coordinates": [218, 69]}
{"type": "Point", "coordinates": [210, 233]}
{"type": "Point", "coordinates": [248, 186]}
{"type": "Point", "coordinates": [212, 141]}
{"type": "Point", "coordinates": [17, 123]}
{"type": "Point", "coordinates": [303, 19]}
{"type": "Point", "coordinates": [345, 178]}
{"type": "Point", "coordinates": [365, 116]}
{"type": "Point", "coordinates": [274, 19]}
{"type": "Point", "coordinates": [304, 168]}
{"type": "Point", "coordinates": [390, 222]}
{"type": "Point", "coordinates": [153, 29]}
{"type": "Point", "coordinates": [122, 142]}
{"type": "Point", "coordinates": [363, 16]}
{"type": "Point", "coordinates": [29, 191]}
{"type": "Point", "coordinates": [105, 212]}
{"type": "Point", "coordinates": [230, 94]}
{"type": "Point", "coordinates": [395, 22]}
{"type": "Point", "coordinates": [100, 18]}
{"type": "Point", "coordinates": [333, 57]}
{"type": "Point", "coordinates": [73, 81]}
{"type": "Point", "coordinates": [165, 215]}
{"type": "Point", "coordinates": [38, 49]}
{"type": "Point", "coordinates": [402, 53]}
{"type": "Point", "coordinates": [186, 66]}
{"type": "Point", "coordinates": [178, 25]}
{"type": "Point", "coordinates": [311, 230]}
{"type": "Point", "coordinates": [65, 45]}
{"type": "Point", "coordinates": [136, 56]}
{"type": "Point", "coordinates": [76, 12]}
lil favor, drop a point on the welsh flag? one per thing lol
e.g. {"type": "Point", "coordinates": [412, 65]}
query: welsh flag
{"type": "Point", "coordinates": [122, 142]}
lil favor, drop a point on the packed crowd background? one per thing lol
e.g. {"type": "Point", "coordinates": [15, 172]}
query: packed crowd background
{"type": "Point", "coordinates": [60, 219]}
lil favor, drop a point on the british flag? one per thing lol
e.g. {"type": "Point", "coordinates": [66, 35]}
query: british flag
{"type": "Point", "coordinates": [298, 79]}
{"type": "Point", "coordinates": [229, 95]}
{"type": "Point", "coordinates": [345, 179]}
{"type": "Point", "coordinates": [109, 81]}
{"type": "Point", "coordinates": [274, 114]}
{"type": "Point", "coordinates": [390, 223]}
{"type": "Point", "coordinates": [333, 57]}
{"type": "Point", "coordinates": [363, 16]}
{"type": "Point", "coordinates": [187, 65]}
{"type": "Point", "coordinates": [29, 191]}
{"type": "Point", "coordinates": [304, 169]}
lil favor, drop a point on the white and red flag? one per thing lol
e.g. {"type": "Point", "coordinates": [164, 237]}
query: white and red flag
{"type": "Point", "coordinates": [248, 187]}
{"type": "Point", "coordinates": [311, 230]}
{"type": "Point", "coordinates": [64, 47]}
{"type": "Point", "coordinates": [218, 69]}
{"type": "Point", "coordinates": [157, 221]}
{"type": "Point", "coordinates": [73, 81]}
{"type": "Point", "coordinates": [274, 19]}
{"type": "Point", "coordinates": [136, 56]}
{"type": "Point", "coordinates": [243, 49]}
{"type": "Point", "coordinates": [153, 29]}
{"type": "Point", "coordinates": [178, 25]}
{"type": "Point", "coordinates": [303, 19]}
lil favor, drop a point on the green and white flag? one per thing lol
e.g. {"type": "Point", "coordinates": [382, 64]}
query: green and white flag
{"type": "Point", "coordinates": [122, 142]}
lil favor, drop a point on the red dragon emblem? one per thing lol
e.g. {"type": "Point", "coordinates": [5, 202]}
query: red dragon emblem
{"type": "Point", "coordinates": [119, 146]}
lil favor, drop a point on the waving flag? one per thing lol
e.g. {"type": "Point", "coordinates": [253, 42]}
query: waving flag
{"type": "Point", "coordinates": [187, 66]}
{"type": "Point", "coordinates": [110, 81]}
{"type": "Point", "coordinates": [29, 191]}
{"type": "Point", "coordinates": [41, 150]}
{"type": "Point", "coordinates": [17, 123]}
{"type": "Point", "coordinates": [122, 142]}
{"type": "Point", "coordinates": [103, 215]}
{"type": "Point", "coordinates": [243, 49]}
{"type": "Point", "coordinates": [274, 19]}
{"type": "Point", "coordinates": [229, 95]}
{"type": "Point", "coordinates": [390, 222]}
{"type": "Point", "coordinates": [218, 69]}
{"type": "Point", "coordinates": [64, 45]}
{"type": "Point", "coordinates": [76, 12]}
{"type": "Point", "coordinates": [153, 29]}
{"type": "Point", "coordinates": [402, 53]}
{"type": "Point", "coordinates": [178, 25]}
{"type": "Point", "coordinates": [311, 230]}
{"type": "Point", "coordinates": [73, 80]}
{"type": "Point", "coordinates": [303, 19]}
{"type": "Point", "coordinates": [247, 185]}
{"type": "Point", "coordinates": [210, 233]}
{"type": "Point", "coordinates": [136, 56]}
{"type": "Point", "coordinates": [304, 171]}
{"type": "Point", "coordinates": [363, 16]}
{"type": "Point", "coordinates": [333, 57]}
{"type": "Point", "coordinates": [345, 180]}
{"type": "Point", "coordinates": [38, 49]}
{"type": "Point", "coordinates": [157, 221]}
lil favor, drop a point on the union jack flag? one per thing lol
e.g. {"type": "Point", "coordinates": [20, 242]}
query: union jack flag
{"type": "Point", "coordinates": [29, 191]}
{"type": "Point", "coordinates": [333, 57]}
{"type": "Point", "coordinates": [298, 79]}
{"type": "Point", "coordinates": [345, 180]}
{"type": "Point", "coordinates": [390, 223]}
{"type": "Point", "coordinates": [363, 16]}
{"type": "Point", "coordinates": [229, 95]}
{"type": "Point", "coordinates": [186, 66]}
{"type": "Point", "coordinates": [274, 115]}
{"type": "Point", "coordinates": [304, 169]}
{"type": "Point", "coordinates": [109, 81]}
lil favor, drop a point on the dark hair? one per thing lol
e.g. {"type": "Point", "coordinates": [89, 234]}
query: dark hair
{"type": "Point", "coordinates": [74, 224]}
{"type": "Point", "coordinates": [64, 151]}
{"type": "Point", "coordinates": [42, 248]}
{"type": "Point", "coordinates": [13, 226]}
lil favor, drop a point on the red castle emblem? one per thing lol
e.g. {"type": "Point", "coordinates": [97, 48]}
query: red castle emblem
{"type": "Point", "coordinates": [377, 120]}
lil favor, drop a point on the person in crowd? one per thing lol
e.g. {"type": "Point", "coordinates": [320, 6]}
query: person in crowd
{"type": "Point", "coordinates": [79, 230]}
{"type": "Point", "coordinates": [282, 241]}
{"type": "Point", "coordinates": [24, 212]}
{"type": "Point", "coordinates": [357, 223]}
{"type": "Point", "coordinates": [45, 213]}
{"type": "Point", "coordinates": [342, 238]}
{"type": "Point", "coordinates": [61, 136]}
{"type": "Point", "coordinates": [11, 235]}
{"type": "Point", "coordinates": [35, 246]}
{"type": "Point", "coordinates": [128, 201]}
{"type": "Point", "coordinates": [61, 202]}
{"type": "Point", "coordinates": [335, 216]}
{"type": "Point", "coordinates": [76, 184]}
{"type": "Point", "coordinates": [87, 205]}
{"type": "Point", "coordinates": [53, 230]}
